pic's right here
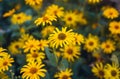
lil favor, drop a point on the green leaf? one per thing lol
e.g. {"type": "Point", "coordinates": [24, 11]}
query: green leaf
{"type": "Point", "coordinates": [51, 57]}
{"type": "Point", "coordinates": [63, 64]}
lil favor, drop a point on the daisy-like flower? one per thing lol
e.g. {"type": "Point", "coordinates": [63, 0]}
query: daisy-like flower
{"type": "Point", "coordinates": [108, 46]}
{"type": "Point", "coordinates": [71, 52]}
{"type": "Point", "coordinates": [33, 2]}
{"type": "Point", "coordinates": [94, 1]}
{"type": "Point", "coordinates": [9, 13]}
{"type": "Point", "coordinates": [5, 63]}
{"type": "Point", "coordinates": [110, 13]}
{"type": "Point", "coordinates": [33, 70]}
{"type": "Point", "coordinates": [35, 56]}
{"type": "Point", "coordinates": [3, 52]}
{"type": "Point", "coordinates": [31, 45]}
{"type": "Point", "coordinates": [47, 30]}
{"type": "Point", "coordinates": [98, 70]}
{"type": "Point", "coordinates": [15, 47]}
{"type": "Point", "coordinates": [70, 18]}
{"type": "Point", "coordinates": [55, 10]}
{"type": "Point", "coordinates": [91, 43]}
{"type": "Point", "coordinates": [78, 39]}
{"type": "Point", "coordinates": [20, 18]}
{"type": "Point", "coordinates": [42, 44]}
{"type": "Point", "coordinates": [61, 38]}
{"type": "Point", "coordinates": [45, 19]}
{"type": "Point", "coordinates": [64, 74]}
{"type": "Point", "coordinates": [114, 27]}
{"type": "Point", "coordinates": [112, 71]}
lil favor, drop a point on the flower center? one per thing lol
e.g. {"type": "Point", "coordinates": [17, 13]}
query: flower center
{"type": "Point", "coordinates": [61, 36]}
{"type": "Point", "coordinates": [116, 27]}
{"type": "Point", "coordinates": [69, 51]}
{"type": "Point", "coordinates": [33, 70]}
{"type": "Point", "coordinates": [101, 73]}
{"type": "Point", "coordinates": [40, 44]}
{"type": "Point", "coordinates": [5, 63]}
{"type": "Point", "coordinates": [65, 77]}
{"type": "Point", "coordinates": [113, 73]}
{"type": "Point", "coordinates": [17, 46]}
{"type": "Point", "coordinates": [91, 43]}
{"type": "Point", "coordinates": [107, 46]}
{"type": "Point", "coordinates": [34, 55]}
{"type": "Point", "coordinates": [69, 19]}
{"type": "Point", "coordinates": [18, 17]}
{"type": "Point", "coordinates": [45, 18]}
{"type": "Point", "coordinates": [111, 13]}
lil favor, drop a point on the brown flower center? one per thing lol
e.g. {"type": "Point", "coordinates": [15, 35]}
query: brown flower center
{"type": "Point", "coordinates": [107, 46]}
{"type": "Point", "coordinates": [65, 77]}
{"type": "Point", "coordinates": [116, 27]}
{"type": "Point", "coordinates": [69, 51]}
{"type": "Point", "coordinates": [91, 43]}
{"type": "Point", "coordinates": [61, 36]}
{"type": "Point", "coordinates": [34, 55]}
{"type": "Point", "coordinates": [18, 17]}
{"type": "Point", "coordinates": [101, 73]}
{"type": "Point", "coordinates": [5, 63]}
{"type": "Point", "coordinates": [113, 73]}
{"type": "Point", "coordinates": [69, 19]}
{"type": "Point", "coordinates": [33, 70]}
{"type": "Point", "coordinates": [45, 18]}
{"type": "Point", "coordinates": [17, 46]}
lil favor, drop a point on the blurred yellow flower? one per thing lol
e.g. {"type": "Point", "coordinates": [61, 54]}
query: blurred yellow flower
{"type": "Point", "coordinates": [78, 39]}
{"type": "Point", "coordinates": [3, 52]}
{"type": "Point", "coordinates": [81, 19]}
{"type": "Point", "coordinates": [99, 70]}
{"type": "Point", "coordinates": [91, 43]}
{"type": "Point", "coordinates": [20, 18]}
{"type": "Point", "coordinates": [9, 13]}
{"type": "Point", "coordinates": [31, 45]}
{"type": "Point", "coordinates": [5, 63]}
{"type": "Point", "coordinates": [46, 31]}
{"type": "Point", "coordinates": [3, 76]}
{"type": "Point", "coordinates": [55, 10]}
{"type": "Point", "coordinates": [94, 1]}
{"type": "Point", "coordinates": [35, 56]}
{"type": "Point", "coordinates": [114, 27]}
{"type": "Point", "coordinates": [42, 44]}
{"type": "Point", "coordinates": [71, 52]}
{"type": "Point", "coordinates": [64, 74]}
{"type": "Point", "coordinates": [33, 70]}
{"type": "Point", "coordinates": [15, 47]}
{"type": "Point", "coordinates": [110, 13]}
{"type": "Point", "coordinates": [108, 46]}
{"type": "Point", "coordinates": [112, 71]}
{"type": "Point", "coordinates": [70, 18]}
{"type": "Point", "coordinates": [61, 37]}
{"type": "Point", "coordinates": [45, 19]}
{"type": "Point", "coordinates": [33, 2]}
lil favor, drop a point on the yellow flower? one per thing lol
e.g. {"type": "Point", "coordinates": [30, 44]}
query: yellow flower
{"type": "Point", "coordinates": [31, 45]}
{"type": "Point", "coordinates": [108, 46]}
{"type": "Point", "coordinates": [64, 74]}
{"type": "Point", "coordinates": [3, 52]}
{"type": "Point", "coordinates": [33, 70]}
{"type": "Point", "coordinates": [5, 62]}
{"type": "Point", "coordinates": [94, 1]}
{"type": "Point", "coordinates": [25, 37]}
{"type": "Point", "coordinates": [61, 38]}
{"type": "Point", "coordinates": [55, 10]}
{"type": "Point", "coordinates": [71, 52]}
{"type": "Point", "coordinates": [37, 7]}
{"type": "Point", "coordinates": [114, 27]}
{"type": "Point", "coordinates": [42, 44]}
{"type": "Point", "coordinates": [9, 13]}
{"type": "Point", "coordinates": [112, 71]}
{"type": "Point", "coordinates": [45, 19]}
{"type": "Point", "coordinates": [70, 18]}
{"type": "Point", "coordinates": [47, 30]}
{"type": "Point", "coordinates": [15, 47]}
{"type": "Point", "coordinates": [98, 70]}
{"type": "Point", "coordinates": [20, 18]}
{"type": "Point", "coordinates": [81, 18]}
{"type": "Point", "coordinates": [33, 2]}
{"type": "Point", "coordinates": [35, 56]}
{"type": "Point", "coordinates": [78, 39]}
{"type": "Point", "coordinates": [91, 43]}
{"type": "Point", "coordinates": [110, 13]}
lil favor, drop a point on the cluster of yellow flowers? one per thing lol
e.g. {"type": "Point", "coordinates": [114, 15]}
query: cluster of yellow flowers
{"type": "Point", "coordinates": [59, 31]}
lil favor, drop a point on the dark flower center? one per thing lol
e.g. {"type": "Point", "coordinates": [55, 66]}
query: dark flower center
{"type": "Point", "coordinates": [91, 43]}
{"type": "Point", "coordinates": [116, 27]}
{"type": "Point", "coordinates": [69, 51]}
{"type": "Point", "coordinates": [5, 63]}
{"type": "Point", "coordinates": [65, 77]}
{"type": "Point", "coordinates": [33, 70]}
{"type": "Point", "coordinates": [34, 55]}
{"type": "Point", "coordinates": [113, 73]}
{"type": "Point", "coordinates": [101, 73]}
{"type": "Point", "coordinates": [45, 18]}
{"type": "Point", "coordinates": [107, 46]}
{"type": "Point", "coordinates": [61, 36]}
{"type": "Point", "coordinates": [69, 19]}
